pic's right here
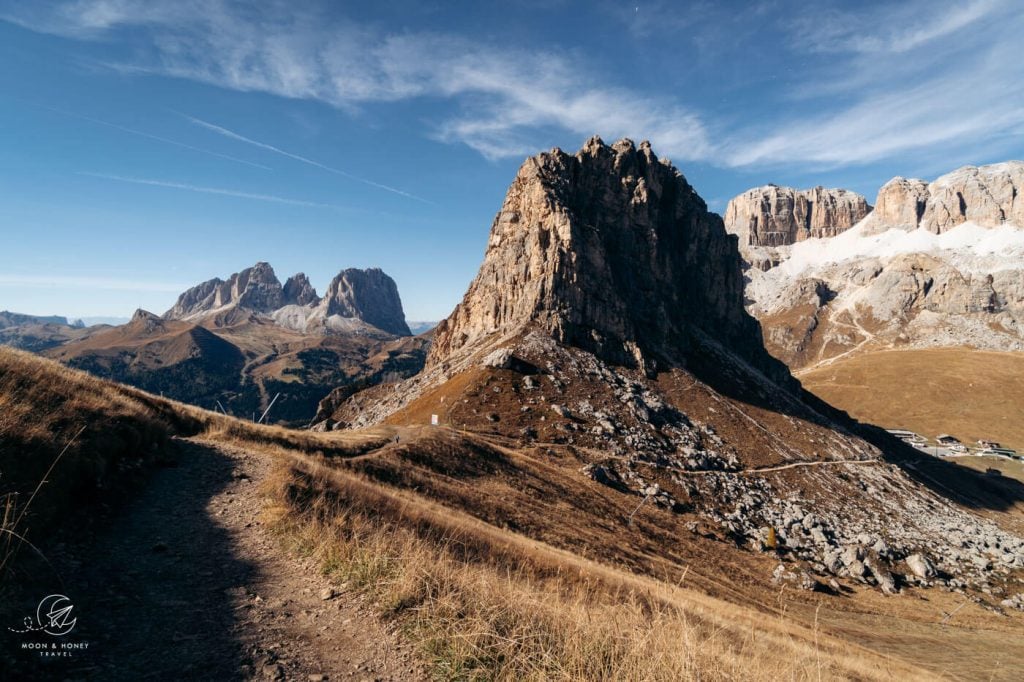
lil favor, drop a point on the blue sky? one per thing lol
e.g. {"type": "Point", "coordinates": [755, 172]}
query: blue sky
{"type": "Point", "coordinates": [148, 146]}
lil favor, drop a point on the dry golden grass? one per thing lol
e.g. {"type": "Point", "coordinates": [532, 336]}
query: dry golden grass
{"type": "Point", "coordinates": [67, 440]}
{"type": "Point", "coordinates": [969, 393]}
{"type": "Point", "coordinates": [485, 603]}
{"type": "Point", "coordinates": [489, 604]}
{"type": "Point", "coordinates": [1008, 468]}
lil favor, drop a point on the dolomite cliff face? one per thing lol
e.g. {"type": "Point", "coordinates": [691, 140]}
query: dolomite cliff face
{"type": "Point", "coordinates": [770, 217]}
{"type": "Point", "coordinates": [256, 288]}
{"type": "Point", "coordinates": [299, 291]}
{"type": "Point", "coordinates": [958, 280]}
{"type": "Point", "coordinates": [901, 203]}
{"type": "Point", "coordinates": [609, 250]}
{"type": "Point", "coordinates": [369, 295]}
{"type": "Point", "coordinates": [357, 301]}
{"type": "Point", "coordinates": [605, 338]}
{"type": "Point", "coordinates": [985, 195]}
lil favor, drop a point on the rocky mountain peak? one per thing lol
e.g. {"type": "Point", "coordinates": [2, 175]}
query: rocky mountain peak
{"type": "Point", "coordinates": [774, 216]}
{"type": "Point", "coordinates": [255, 289]}
{"type": "Point", "coordinates": [145, 322]}
{"type": "Point", "coordinates": [901, 203]}
{"type": "Point", "coordinates": [369, 295]}
{"type": "Point", "coordinates": [986, 195]}
{"type": "Point", "coordinates": [609, 250]}
{"type": "Point", "coordinates": [299, 291]}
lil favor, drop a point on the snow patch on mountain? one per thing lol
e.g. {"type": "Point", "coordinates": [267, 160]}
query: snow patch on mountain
{"type": "Point", "coordinates": [969, 247]}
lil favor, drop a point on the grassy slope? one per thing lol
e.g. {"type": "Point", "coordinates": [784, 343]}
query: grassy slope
{"type": "Point", "coordinates": [109, 431]}
{"type": "Point", "coordinates": [483, 601]}
{"type": "Point", "coordinates": [969, 393]}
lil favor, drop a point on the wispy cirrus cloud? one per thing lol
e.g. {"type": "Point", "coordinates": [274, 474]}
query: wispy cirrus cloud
{"type": "Point", "coordinates": [868, 82]}
{"type": "Point", "coordinates": [897, 28]}
{"type": "Point", "coordinates": [914, 78]}
{"type": "Point", "coordinates": [502, 95]}
{"type": "Point", "coordinates": [220, 130]}
{"type": "Point", "coordinates": [214, 190]}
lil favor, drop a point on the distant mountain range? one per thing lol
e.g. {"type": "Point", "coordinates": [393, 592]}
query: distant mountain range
{"type": "Point", "coordinates": [936, 265]}
{"type": "Point", "coordinates": [236, 344]}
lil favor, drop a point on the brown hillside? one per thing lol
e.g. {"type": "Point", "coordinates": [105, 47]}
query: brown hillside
{"type": "Point", "coordinates": [968, 393]}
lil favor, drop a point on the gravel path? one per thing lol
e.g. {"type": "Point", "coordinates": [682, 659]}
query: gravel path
{"type": "Point", "coordinates": [187, 584]}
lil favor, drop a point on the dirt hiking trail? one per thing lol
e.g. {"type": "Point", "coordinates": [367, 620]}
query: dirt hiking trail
{"type": "Point", "coordinates": [186, 583]}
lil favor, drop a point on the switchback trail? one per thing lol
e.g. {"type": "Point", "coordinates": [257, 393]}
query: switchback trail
{"type": "Point", "coordinates": [187, 583]}
{"type": "Point", "coordinates": [492, 441]}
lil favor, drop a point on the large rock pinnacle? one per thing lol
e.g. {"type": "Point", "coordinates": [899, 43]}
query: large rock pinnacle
{"type": "Point", "coordinates": [609, 250]}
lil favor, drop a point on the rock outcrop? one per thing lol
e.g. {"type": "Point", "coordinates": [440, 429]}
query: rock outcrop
{"type": "Point", "coordinates": [256, 289]}
{"type": "Point", "coordinates": [299, 291]}
{"type": "Point", "coordinates": [609, 250]}
{"type": "Point", "coordinates": [369, 295]}
{"type": "Point", "coordinates": [766, 218]}
{"type": "Point", "coordinates": [901, 203]}
{"type": "Point", "coordinates": [605, 337]}
{"type": "Point", "coordinates": [986, 195]}
{"type": "Point", "coordinates": [948, 284]}
{"type": "Point", "coordinates": [356, 301]}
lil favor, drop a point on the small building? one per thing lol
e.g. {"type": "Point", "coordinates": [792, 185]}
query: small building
{"type": "Point", "coordinates": [946, 439]}
{"type": "Point", "coordinates": [988, 444]}
{"type": "Point", "coordinates": [904, 434]}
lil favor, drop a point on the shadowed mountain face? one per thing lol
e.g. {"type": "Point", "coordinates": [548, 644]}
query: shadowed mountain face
{"type": "Point", "coordinates": [256, 288]}
{"type": "Point", "coordinates": [239, 363]}
{"type": "Point", "coordinates": [368, 295]}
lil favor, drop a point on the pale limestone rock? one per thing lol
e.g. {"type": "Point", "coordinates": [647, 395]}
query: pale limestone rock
{"type": "Point", "coordinates": [987, 195]}
{"type": "Point", "coordinates": [767, 219]}
{"type": "Point", "coordinates": [900, 203]}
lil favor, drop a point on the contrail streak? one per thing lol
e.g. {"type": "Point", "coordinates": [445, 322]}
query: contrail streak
{"type": "Point", "coordinates": [213, 190]}
{"type": "Point", "coordinates": [151, 136]}
{"type": "Point", "coordinates": [220, 130]}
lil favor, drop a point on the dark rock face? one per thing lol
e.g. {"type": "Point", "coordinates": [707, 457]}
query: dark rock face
{"type": "Point", "coordinates": [298, 291]}
{"type": "Point", "coordinates": [609, 250]}
{"type": "Point", "coordinates": [369, 295]}
{"type": "Point", "coordinates": [256, 288]}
